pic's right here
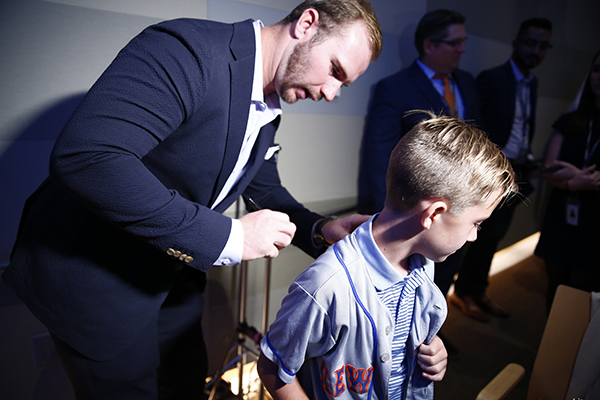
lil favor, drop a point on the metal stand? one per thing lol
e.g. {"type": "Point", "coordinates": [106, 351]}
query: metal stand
{"type": "Point", "coordinates": [243, 331]}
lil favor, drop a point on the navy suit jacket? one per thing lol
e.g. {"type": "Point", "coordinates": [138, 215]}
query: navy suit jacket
{"type": "Point", "coordinates": [497, 88]}
{"type": "Point", "coordinates": [386, 123]}
{"type": "Point", "coordinates": [133, 174]}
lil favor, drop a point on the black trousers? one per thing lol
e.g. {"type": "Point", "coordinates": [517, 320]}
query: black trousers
{"type": "Point", "coordinates": [477, 259]}
{"type": "Point", "coordinates": [168, 360]}
{"type": "Point", "coordinates": [445, 271]}
{"type": "Point", "coordinates": [583, 279]}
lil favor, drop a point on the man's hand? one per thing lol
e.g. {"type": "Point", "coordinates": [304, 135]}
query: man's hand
{"type": "Point", "coordinates": [337, 229]}
{"type": "Point", "coordinates": [587, 179]}
{"type": "Point", "coordinates": [562, 176]}
{"type": "Point", "coordinates": [265, 233]}
{"type": "Point", "coordinates": [433, 359]}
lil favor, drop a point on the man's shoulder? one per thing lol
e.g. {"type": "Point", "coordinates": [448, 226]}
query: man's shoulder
{"type": "Point", "coordinates": [328, 270]}
{"type": "Point", "coordinates": [187, 28]}
{"type": "Point", "coordinates": [462, 74]}
{"type": "Point", "coordinates": [406, 76]}
{"type": "Point", "coordinates": [497, 71]}
{"type": "Point", "coordinates": [196, 23]}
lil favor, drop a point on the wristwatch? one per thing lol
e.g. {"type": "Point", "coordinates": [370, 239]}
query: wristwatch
{"type": "Point", "coordinates": [317, 232]}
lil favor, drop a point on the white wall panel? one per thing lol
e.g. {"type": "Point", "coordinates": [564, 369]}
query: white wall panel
{"type": "Point", "coordinates": [319, 156]}
{"type": "Point", "coordinates": [150, 8]}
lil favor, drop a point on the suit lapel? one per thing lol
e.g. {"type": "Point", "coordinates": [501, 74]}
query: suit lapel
{"type": "Point", "coordinates": [511, 88]}
{"type": "Point", "coordinates": [241, 71]}
{"type": "Point", "coordinates": [425, 86]}
{"type": "Point", "coordinates": [265, 139]}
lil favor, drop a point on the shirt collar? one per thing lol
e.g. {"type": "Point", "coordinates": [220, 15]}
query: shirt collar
{"type": "Point", "coordinates": [381, 271]}
{"type": "Point", "coordinates": [258, 97]}
{"type": "Point", "coordinates": [428, 71]}
{"type": "Point", "coordinates": [518, 74]}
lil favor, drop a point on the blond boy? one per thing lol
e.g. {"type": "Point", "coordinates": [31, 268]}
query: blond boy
{"type": "Point", "coordinates": [364, 316]}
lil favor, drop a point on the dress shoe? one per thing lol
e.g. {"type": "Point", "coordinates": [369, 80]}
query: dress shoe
{"type": "Point", "coordinates": [490, 307]}
{"type": "Point", "coordinates": [469, 307]}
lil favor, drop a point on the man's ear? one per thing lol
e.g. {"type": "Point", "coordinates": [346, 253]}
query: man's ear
{"type": "Point", "coordinates": [308, 19]}
{"type": "Point", "coordinates": [515, 43]}
{"type": "Point", "coordinates": [431, 213]}
{"type": "Point", "coordinates": [428, 46]}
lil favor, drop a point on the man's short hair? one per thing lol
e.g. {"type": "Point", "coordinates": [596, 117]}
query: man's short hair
{"type": "Point", "coordinates": [336, 14]}
{"type": "Point", "coordinates": [446, 158]}
{"type": "Point", "coordinates": [434, 26]}
{"type": "Point", "coordinates": [541, 23]}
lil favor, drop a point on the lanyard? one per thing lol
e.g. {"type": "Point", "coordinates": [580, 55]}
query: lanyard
{"type": "Point", "coordinates": [370, 318]}
{"type": "Point", "coordinates": [587, 157]}
{"type": "Point", "coordinates": [524, 104]}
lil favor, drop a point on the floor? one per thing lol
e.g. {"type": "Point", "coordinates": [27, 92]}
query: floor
{"type": "Point", "coordinates": [518, 284]}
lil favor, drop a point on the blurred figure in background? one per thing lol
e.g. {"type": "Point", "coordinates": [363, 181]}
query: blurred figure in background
{"type": "Point", "coordinates": [508, 99]}
{"type": "Point", "coordinates": [569, 234]}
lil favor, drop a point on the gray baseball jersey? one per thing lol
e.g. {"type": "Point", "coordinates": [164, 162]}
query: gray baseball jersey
{"type": "Point", "coordinates": [333, 318]}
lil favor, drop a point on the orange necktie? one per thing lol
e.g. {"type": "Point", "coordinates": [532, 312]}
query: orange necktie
{"type": "Point", "coordinates": [448, 95]}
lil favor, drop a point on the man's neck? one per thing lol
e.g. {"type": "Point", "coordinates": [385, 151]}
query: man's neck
{"type": "Point", "coordinates": [524, 70]}
{"type": "Point", "coordinates": [274, 40]}
{"type": "Point", "coordinates": [436, 68]}
{"type": "Point", "coordinates": [392, 232]}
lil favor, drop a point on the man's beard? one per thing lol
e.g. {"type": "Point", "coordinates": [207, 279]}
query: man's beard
{"type": "Point", "coordinates": [294, 72]}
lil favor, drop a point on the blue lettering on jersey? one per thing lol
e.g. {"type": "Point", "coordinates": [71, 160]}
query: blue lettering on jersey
{"type": "Point", "coordinates": [339, 382]}
{"type": "Point", "coordinates": [359, 379]}
{"type": "Point", "coordinates": [324, 375]}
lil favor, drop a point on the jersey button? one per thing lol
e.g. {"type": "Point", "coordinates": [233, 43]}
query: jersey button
{"type": "Point", "coordinates": [388, 330]}
{"type": "Point", "coordinates": [385, 357]}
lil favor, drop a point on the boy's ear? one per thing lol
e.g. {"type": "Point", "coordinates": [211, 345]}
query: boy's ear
{"type": "Point", "coordinates": [431, 213]}
{"type": "Point", "coordinates": [309, 18]}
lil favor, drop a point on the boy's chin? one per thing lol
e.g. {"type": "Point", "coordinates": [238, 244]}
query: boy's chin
{"type": "Point", "coordinates": [442, 258]}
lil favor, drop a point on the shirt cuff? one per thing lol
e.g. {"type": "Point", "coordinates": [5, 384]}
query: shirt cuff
{"type": "Point", "coordinates": [232, 252]}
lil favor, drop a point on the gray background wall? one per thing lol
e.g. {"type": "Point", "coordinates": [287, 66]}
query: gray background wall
{"type": "Point", "coordinates": [53, 50]}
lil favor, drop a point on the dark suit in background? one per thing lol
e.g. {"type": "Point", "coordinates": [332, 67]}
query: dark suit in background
{"type": "Point", "coordinates": [497, 96]}
{"type": "Point", "coordinates": [508, 98]}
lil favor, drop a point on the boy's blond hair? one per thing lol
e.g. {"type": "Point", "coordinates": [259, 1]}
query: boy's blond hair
{"type": "Point", "coordinates": [446, 158]}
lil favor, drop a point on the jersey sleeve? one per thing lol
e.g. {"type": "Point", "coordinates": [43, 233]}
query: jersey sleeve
{"type": "Point", "coordinates": [301, 330]}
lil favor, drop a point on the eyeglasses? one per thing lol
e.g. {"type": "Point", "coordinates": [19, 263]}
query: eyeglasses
{"type": "Point", "coordinates": [456, 43]}
{"type": "Point", "coordinates": [535, 43]}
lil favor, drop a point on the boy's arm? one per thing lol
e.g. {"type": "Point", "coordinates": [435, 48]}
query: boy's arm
{"type": "Point", "coordinates": [433, 359]}
{"type": "Point", "coordinates": [279, 390]}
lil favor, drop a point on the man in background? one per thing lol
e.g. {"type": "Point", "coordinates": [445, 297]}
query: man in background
{"type": "Point", "coordinates": [432, 82]}
{"type": "Point", "coordinates": [508, 99]}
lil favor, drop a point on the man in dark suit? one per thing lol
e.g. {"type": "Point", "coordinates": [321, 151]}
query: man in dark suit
{"type": "Point", "coordinates": [508, 98]}
{"type": "Point", "coordinates": [440, 40]}
{"type": "Point", "coordinates": [113, 248]}
{"type": "Point", "coordinates": [432, 82]}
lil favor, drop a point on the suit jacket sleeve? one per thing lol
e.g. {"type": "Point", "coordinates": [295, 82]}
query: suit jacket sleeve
{"type": "Point", "coordinates": [150, 91]}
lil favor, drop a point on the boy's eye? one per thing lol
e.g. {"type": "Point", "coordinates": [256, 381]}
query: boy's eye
{"type": "Point", "coordinates": [478, 226]}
